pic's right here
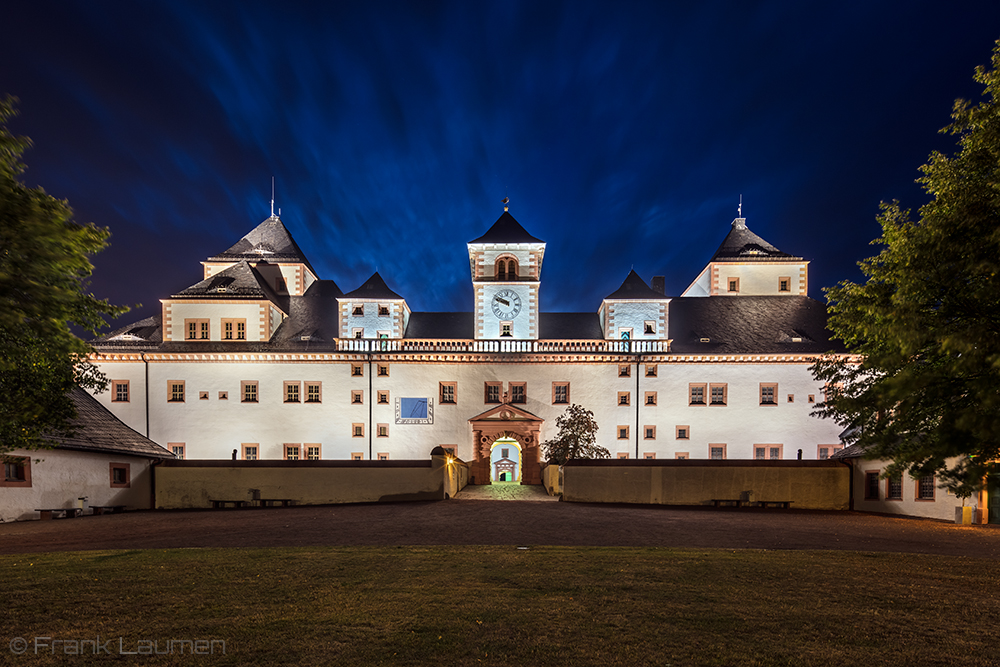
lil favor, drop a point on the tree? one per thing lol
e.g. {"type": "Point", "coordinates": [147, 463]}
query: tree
{"type": "Point", "coordinates": [44, 266]}
{"type": "Point", "coordinates": [577, 437]}
{"type": "Point", "coordinates": [925, 388]}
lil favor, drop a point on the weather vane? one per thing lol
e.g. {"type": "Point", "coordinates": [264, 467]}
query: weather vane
{"type": "Point", "coordinates": [506, 202]}
{"type": "Point", "coordinates": [739, 211]}
{"type": "Point", "coordinates": [272, 196]}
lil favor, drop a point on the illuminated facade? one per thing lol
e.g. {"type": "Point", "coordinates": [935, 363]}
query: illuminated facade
{"type": "Point", "coordinates": [263, 359]}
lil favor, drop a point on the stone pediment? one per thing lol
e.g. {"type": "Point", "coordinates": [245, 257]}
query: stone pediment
{"type": "Point", "coordinates": [506, 412]}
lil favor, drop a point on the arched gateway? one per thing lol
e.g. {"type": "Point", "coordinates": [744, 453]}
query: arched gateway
{"type": "Point", "coordinates": [505, 421]}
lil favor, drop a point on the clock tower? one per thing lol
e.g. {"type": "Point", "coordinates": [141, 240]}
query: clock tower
{"type": "Point", "coordinates": [506, 265]}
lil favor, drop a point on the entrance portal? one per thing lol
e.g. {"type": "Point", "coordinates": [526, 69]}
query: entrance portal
{"type": "Point", "coordinates": [505, 461]}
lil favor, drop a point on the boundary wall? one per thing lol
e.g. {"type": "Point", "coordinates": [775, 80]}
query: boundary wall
{"type": "Point", "coordinates": [195, 484]}
{"type": "Point", "coordinates": [816, 485]}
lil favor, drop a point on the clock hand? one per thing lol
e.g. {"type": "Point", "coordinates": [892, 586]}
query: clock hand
{"type": "Point", "coordinates": [503, 301]}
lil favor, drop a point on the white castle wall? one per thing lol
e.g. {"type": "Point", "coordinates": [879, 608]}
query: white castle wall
{"type": "Point", "coordinates": [634, 315]}
{"type": "Point", "coordinates": [215, 313]}
{"type": "Point", "coordinates": [213, 427]}
{"type": "Point", "coordinates": [759, 278]}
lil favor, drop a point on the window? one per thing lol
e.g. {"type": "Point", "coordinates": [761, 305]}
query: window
{"type": "Point", "coordinates": [223, 395]}
{"type": "Point", "coordinates": [625, 333]}
{"type": "Point", "coordinates": [894, 488]}
{"type": "Point", "coordinates": [383, 370]}
{"type": "Point", "coordinates": [560, 393]}
{"type": "Point", "coordinates": [447, 392]}
{"type": "Point", "coordinates": [120, 475]}
{"type": "Point", "coordinates": [925, 488]}
{"type": "Point", "coordinates": [811, 398]}
{"type": "Point", "coordinates": [768, 393]}
{"type": "Point", "coordinates": [16, 472]}
{"type": "Point", "coordinates": [651, 370]}
{"type": "Point", "coordinates": [357, 456]}
{"type": "Point", "coordinates": [623, 455]}
{"type": "Point", "coordinates": [357, 370]}
{"type": "Point", "coordinates": [248, 390]}
{"type": "Point", "coordinates": [279, 285]}
{"type": "Point", "coordinates": [196, 329]}
{"type": "Point", "coordinates": [696, 394]}
{"type": "Point", "coordinates": [623, 398]}
{"type": "Point", "coordinates": [871, 485]}
{"type": "Point", "coordinates": [492, 392]}
{"type": "Point", "coordinates": [824, 452]}
{"type": "Point", "coordinates": [649, 455]}
{"type": "Point", "coordinates": [250, 451]}
{"type": "Point", "coordinates": [175, 391]}
{"type": "Point", "coordinates": [623, 432]}
{"type": "Point", "coordinates": [683, 432]}
{"type": "Point", "coordinates": [624, 371]}
{"type": "Point", "coordinates": [764, 452]}
{"type": "Point", "coordinates": [734, 285]}
{"type": "Point", "coordinates": [506, 269]}
{"type": "Point", "coordinates": [234, 329]}
{"type": "Point", "coordinates": [649, 328]}
{"type": "Point", "coordinates": [785, 284]}
{"type": "Point", "coordinates": [382, 456]}
{"type": "Point", "coordinates": [681, 456]}
{"type": "Point", "coordinates": [357, 397]}
{"type": "Point", "coordinates": [518, 392]}
{"type": "Point", "coordinates": [292, 452]}
{"type": "Point", "coordinates": [177, 449]}
{"type": "Point", "coordinates": [358, 332]}
{"type": "Point", "coordinates": [451, 449]}
{"type": "Point", "coordinates": [313, 452]}
{"type": "Point", "coordinates": [650, 432]}
{"type": "Point", "coordinates": [383, 397]}
{"type": "Point", "coordinates": [383, 311]}
{"type": "Point", "coordinates": [358, 311]}
{"type": "Point", "coordinates": [650, 398]}
{"type": "Point", "coordinates": [202, 395]}
{"type": "Point", "coordinates": [357, 430]}
{"type": "Point", "coordinates": [717, 452]}
{"type": "Point", "coordinates": [504, 453]}
{"type": "Point", "coordinates": [292, 392]}
{"type": "Point", "coordinates": [383, 431]}
{"type": "Point", "coordinates": [314, 392]}
{"type": "Point", "coordinates": [791, 398]}
{"type": "Point", "coordinates": [717, 394]}
{"type": "Point", "coordinates": [506, 329]}
{"type": "Point", "coordinates": [119, 391]}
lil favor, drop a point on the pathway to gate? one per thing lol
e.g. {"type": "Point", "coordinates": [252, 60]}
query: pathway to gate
{"type": "Point", "coordinates": [506, 491]}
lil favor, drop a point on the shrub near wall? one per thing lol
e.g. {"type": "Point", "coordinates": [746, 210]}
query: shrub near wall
{"type": "Point", "coordinates": [807, 484]}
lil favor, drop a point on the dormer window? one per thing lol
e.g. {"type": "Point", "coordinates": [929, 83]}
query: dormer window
{"type": "Point", "coordinates": [734, 285]}
{"type": "Point", "coordinates": [784, 284]}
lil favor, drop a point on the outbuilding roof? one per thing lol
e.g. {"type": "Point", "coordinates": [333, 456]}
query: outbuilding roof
{"type": "Point", "coordinates": [239, 281]}
{"type": "Point", "coordinates": [635, 288]}
{"type": "Point", "coordinates": [97, 430]}
{"type": "Point", "coordinates": [373, 288]}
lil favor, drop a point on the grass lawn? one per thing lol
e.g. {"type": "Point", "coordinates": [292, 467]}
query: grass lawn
{"type": "Point", "coordinates": [502, 605]}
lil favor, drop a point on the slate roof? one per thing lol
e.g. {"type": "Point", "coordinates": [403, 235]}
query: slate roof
{"type": "Point", "coordinates": [137, 334]}
{"type": "Point", "coordinates": [743, 244]}
{"type": "Point", "coordinates": [569, 326]}
{"type": "Point", "coordinates": [314, 316]}
{"type": "Point", "coordinates": [507, 230]}
{"type": "Point", "coordinates": [441, 325]}
{"type": "Point", "coordinates": [749, 325]}
{"type": "Point", "coordinates": [271, 241]}
{"type": "Point", "coordinates": [635, 287]}
{"type": "Point", "coordinates": [239, 281]}
{"type": "Point", "coordinates": [97, 430]}
{"type": "Point", "coordinates": [852, 452]}
{"type": "Point", "coordinates": [374, 288]}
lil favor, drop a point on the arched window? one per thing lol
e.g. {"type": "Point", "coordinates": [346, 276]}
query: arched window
{"type": "Point", "coordinates": [501, 271]}
{"type": "Point", "coordinates": [506, 269]}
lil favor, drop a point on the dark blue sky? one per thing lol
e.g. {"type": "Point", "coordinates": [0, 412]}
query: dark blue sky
{"type": "Point", "coordinates": [624, 133]}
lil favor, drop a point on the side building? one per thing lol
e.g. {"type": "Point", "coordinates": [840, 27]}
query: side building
{"type": "Point", "coordinates": [262, 359]}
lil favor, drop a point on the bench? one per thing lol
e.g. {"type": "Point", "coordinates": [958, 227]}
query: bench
{"type": "Point", "coordinates": [270, 502]}
{"type": "Point", "coordinates": [70, 512]}
{"type": "Point", "coordinates": [107, 509]}
{"type": "Point", "coordinates": [783, 504]}
{"type": "Point", "coordinates": [726, 502]}
{"type": "Point", "coordinates": [734, 502]}
{"type": "Point", "coordinates": [220, 504]}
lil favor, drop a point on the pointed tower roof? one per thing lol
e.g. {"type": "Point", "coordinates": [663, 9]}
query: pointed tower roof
{"type": "Point", "coordinates": [374, 288]}
{"type": "Point", "coordinates": [270, 241]}
{"type": "Point", "coordinates": [743, 244]}
{"type": "Point", "coordinates": [239, 281]}
{"type": "Point", "coordinates": [634, 287]}
{"type": "Point", "coordinates": [507, 230]}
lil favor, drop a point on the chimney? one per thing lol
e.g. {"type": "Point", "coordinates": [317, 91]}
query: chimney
{"type": "Point", "coordinates": [659, 284]}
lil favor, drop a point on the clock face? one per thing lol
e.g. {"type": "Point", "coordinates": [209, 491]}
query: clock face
{"type": "Point", "coordinates": [506, 304]}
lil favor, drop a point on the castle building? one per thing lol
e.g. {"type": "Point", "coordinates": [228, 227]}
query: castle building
{"type": "Point", "coordinates": [262, 359]}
